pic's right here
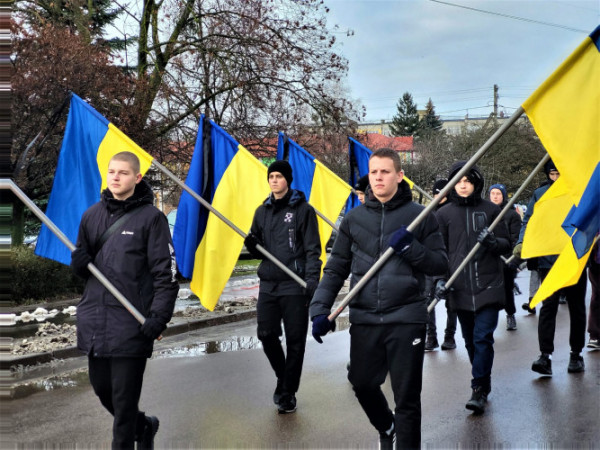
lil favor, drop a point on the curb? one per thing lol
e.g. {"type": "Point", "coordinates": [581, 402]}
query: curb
{"type": "Point", "coordinates": [12, 362]}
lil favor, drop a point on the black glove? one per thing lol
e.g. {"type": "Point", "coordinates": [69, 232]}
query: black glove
{"type": "Point", "coordinates": [321, 326]}
{"type": "Point", "coordinates": [80, 258]}
{"type": "Point", "coordinates": [311, 287]}
{"type": "Point", "coordinates": [401, 240]}
{"type": "Point", "coordinates": [152, 327]}
{"type": "Point", "coordinates": [251, 241]}
{"type": "Point", "coordinates": [440, 290]}
{"type": "Point", "coordinates": [487, 239]}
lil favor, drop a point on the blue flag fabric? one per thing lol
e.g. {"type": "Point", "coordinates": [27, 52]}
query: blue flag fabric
{"type": "Point", "coordinates": [359, 166]}
{"type": "Point", "coordinates": [302, 162]}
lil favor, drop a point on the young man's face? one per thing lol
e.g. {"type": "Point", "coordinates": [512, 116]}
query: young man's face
{"type": "Point", "coordinates": [361, 196]}
{"type": "Point", "coordinates": [278, 184]}
{"type": "Point", "coordinates": [121, 179]}
{"type": "Point", "coordinates": [553, 175]}
{"type": "Point", "coordinates": [383, 178]}
{"type": "Point", "coordinates": [496, 196]}
{"type": "Point", "coordinates": [464, 187]}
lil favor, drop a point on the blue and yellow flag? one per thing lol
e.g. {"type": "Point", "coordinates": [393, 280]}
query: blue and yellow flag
{"type": "Point", "coordinates": [226, 175]}
{"type": "Point", "coordinates": [323, 189]}
{"type": "Point", "coordinates": [90, 141]}
{"type": "Point", "coordinates": [565, 112]}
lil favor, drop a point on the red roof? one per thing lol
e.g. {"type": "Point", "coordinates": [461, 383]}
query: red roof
{"type": "Point", "coordinates": [375, 141]}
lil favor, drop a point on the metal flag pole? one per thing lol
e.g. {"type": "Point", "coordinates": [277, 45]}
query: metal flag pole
{"type": "Point", "coordinates": [443, 193]}
{"type": "Point", "coordinates": [496, 221]}
{"type": "Point", "coordinates": [6, 183]}
{"type": "Point", "coordinates": [210, 207]}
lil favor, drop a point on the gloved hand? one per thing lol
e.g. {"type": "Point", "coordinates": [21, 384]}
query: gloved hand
{"type": "Point", "coordinates": [251, 241]}
{"type": "Point", "coordinates": [440, 290]}
{"type": "Point", "coordinates": [80, 258]}
{"type": "Point", "coordinates": [487, 239]}
{"type": "Point", "coordinates": [152, 327]}
{"type": "Point", "coordinates": [517, 250]}
{"type": "Point", "coordinates": [311, 287]}
{"type": "Point", "coordinates": [321, 326]}
{"type": "Point", "coordinates": [401, 240]}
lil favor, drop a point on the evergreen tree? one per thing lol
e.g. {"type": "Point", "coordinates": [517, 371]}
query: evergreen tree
{"type": "Point", "coordinates": [430, 123]}
{"type": "Point", "coordinates": [406, 121]}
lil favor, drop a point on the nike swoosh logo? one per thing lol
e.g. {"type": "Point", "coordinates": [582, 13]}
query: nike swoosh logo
{"type": "Point", "coordinates": [417, 341]}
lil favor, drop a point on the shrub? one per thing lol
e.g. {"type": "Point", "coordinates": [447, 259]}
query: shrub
{"type": "Point", "coordinates": [37, 279]}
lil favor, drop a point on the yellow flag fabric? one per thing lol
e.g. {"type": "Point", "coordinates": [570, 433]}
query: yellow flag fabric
{"type": "Point", "coordinates": [328, 195]}
{"type": "Point", "coordinates": [240, 191]}
{"type": "Point", "coordinates": [565, 112]}
{"type": "Point", "coordinates": [409, 181]}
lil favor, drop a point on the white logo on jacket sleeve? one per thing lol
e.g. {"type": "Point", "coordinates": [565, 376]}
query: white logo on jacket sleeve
{"type": "Point", "coordinates": [288, 217]}
{"type": "Point", "coordinates": [127, 232]}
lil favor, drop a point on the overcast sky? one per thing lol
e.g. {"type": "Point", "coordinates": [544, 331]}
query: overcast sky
{"type": "Point", "coordinates": [453, 54]}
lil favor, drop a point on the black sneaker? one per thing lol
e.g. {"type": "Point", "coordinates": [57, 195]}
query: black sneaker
{"type": "Point", "coordinates": [449, 343]}
{"type": "Point", "coordinates": [594, 344]}
{"type": "Point", "coordinates": [576, 363]}
{"type": "Point", "coordinates": [431, 343]}
{"type": "Point", "coordinates": [147, 442]}
{"type": "Point", "coordinates": [387, 439]}
{"type": "Point", "coordinates": [287, 404]}
{"type": "Point", "coordinates": [526, 307]}
{"type": "Point", "coordinates": [511, 322]}
{"type": "Point", "coordinates": [278, 391]}
{"type": "Point", "coordinates": [542, 365]}
{"type": "Point", "coordinates": [477, 401]}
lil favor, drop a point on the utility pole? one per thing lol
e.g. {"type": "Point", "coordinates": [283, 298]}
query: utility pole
{"type": "Point", "coordinates": [495, 100]}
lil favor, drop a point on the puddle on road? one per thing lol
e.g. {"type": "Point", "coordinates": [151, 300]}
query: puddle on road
{"type": "Point", "coordinates": [68, 380]}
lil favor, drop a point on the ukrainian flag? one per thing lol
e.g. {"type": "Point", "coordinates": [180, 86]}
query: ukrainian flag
{"type": "Point", "coordinates": [325, 191]}
{"type": "Point", "coordinates": [565, 112]}
{"type": "Point", "coordinates": [90, 141]}
{"type": "Point", "coordinates": [226, 175]}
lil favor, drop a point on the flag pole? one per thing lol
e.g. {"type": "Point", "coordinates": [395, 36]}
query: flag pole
{"type": "Point", "coordinates": [443, 193]}
{"type": "Point", "coordinates": [496, 221]}
{"type": "Point", "coordinates": [211, 208]}
{"type": "Point", "coordinates": [6, 183]}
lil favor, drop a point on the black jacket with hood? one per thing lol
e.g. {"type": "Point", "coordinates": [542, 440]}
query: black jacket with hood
{"type": "Point", "coordinates": [139, 260]}
{"type": "Point", "coordinates": [481, 282]}
{"type": "Point", "coordinates": [288, 229]}
{"type": "Point", "coordinates": [395, 294]}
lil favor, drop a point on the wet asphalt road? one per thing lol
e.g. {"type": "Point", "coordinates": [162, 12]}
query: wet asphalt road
{"type": "Point", "coordinates": [209, 397]}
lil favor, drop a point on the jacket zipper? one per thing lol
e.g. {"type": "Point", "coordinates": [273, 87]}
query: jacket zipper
{"type": "Point", "coordinates": [380, 252]}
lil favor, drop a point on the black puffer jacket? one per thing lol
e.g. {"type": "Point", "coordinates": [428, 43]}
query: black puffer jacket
{"type": "Point", "coordinates": [481, 282]}
{"type": "Point", "coordinates": [395, 293]}
{"type": "Point", "coordinates": [139, 260]}
{"type": "Point", "coordinates": [288, 230]}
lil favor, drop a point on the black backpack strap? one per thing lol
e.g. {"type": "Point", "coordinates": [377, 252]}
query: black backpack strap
{"type": "Point", "coordinates": [110, 230]}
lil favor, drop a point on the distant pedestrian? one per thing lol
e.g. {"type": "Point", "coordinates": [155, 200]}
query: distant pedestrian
{"type": "Point", "coordinates": [361, 187]}
{"type": "Point", "coordinates": [137, 257]}
{"type": "Point", "coordinates": [286, 226]}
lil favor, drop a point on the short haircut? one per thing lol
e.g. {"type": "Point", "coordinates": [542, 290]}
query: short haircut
{"type": "Point", "coordinates": [388, 153]}
{"type": "Point", "coordinates": [129, 157]}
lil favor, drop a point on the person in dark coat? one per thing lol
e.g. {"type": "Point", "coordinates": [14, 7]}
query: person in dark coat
{"type": "Point", "coordinates": [286, 226]}
{"type": "Point", "coordinates": [138, 258]}
{"type": "Point", "coordinates": [512, 219]}
{"type": "Point", "coordinates": [478, 293]}
{"type": "Point", "coordinates": [574, 294]}
{"type": "Point", "coordinates": [388, 315]}
{"type": "Point", "coordinates": [361, 188]}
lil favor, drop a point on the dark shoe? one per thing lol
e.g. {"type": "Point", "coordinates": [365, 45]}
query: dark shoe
{"type": "Point", "coordinates": [278, 391]}
{"type": "Point", "coordinates": [594, 344]}
{"type": "Point", "coordinates": [516, 289]}
{"type": "Point", "coordinates": [449, 343]}
{"type": "Point", "coordinates": [147, 442]}
{"type": "Point", "coordinates": [287, 404]}
{"type": "Point", "coordinates": [542, 365]}
{"type": "Point", "coordinates": [477, 401]}
{"type": "Point", "coordinates": [387, 439]}
{"type": "Point", "coordinates": [526, 307]}
{"type": "Point", "coordinates": [511, 322]}
{"type": "Point", "coordinates": [576, 363]}
{"type": "Point", "coordinates": [431, 343]}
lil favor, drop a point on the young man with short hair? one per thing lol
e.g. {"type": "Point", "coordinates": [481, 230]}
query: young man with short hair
{"type": "Point", "coordinates": [388, 315]}
{"type": "Point", "coordinates": [138, 258]}
{"type": "Point", "coordinates": [286, 226]}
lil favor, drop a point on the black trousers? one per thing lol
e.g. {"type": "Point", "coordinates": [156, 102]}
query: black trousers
{"type": "Point", "coordinates": [271, 310]}
{"type": "Point", "coordinates": [118, 384]}
{"type": "Point", "coordinates": [398, 349]}
{"type": "Point", "coordinates": [594, 320]}
{"type": "Point", "coordinates": [547, 322]}
{"type": "Point", "coordinates": [509, 292]}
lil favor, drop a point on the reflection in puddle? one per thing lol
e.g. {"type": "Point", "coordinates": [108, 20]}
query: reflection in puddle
{"type": "Point", "coordinates": [70, 380]}
{"type": "Point", "coordinates": [204, 348]}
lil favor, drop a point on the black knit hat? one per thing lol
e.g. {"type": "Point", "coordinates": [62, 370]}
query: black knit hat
{"type": "Point", "coordinates": [439, 185]}
{"type": "Point", "coordinates": [362, 183]}
{"type": "Point", "coordinates": [284, 168]}
{"type": "Point", "coordinates": [549, 167]}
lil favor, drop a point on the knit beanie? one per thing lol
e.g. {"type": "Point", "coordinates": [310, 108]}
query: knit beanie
{"type": "Point", "coordinates": [500, 187]}
{"type": "Point", "coordinates": [439, 185]}
{"type": "Point", "coordinates": [284, 168]}
{"type": "Point", "coordinates": [362, 183]}
{"type": "Point", "coordinates": [549, 167]}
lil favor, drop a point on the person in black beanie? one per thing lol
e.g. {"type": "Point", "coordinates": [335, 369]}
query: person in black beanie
{"type": "Point", "coordinates": [286, 226]}
{"type": "Point", "coordinates": [361, 188]}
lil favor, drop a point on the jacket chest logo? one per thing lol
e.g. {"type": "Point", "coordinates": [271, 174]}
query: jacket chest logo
{"type": "Point", "coordinates": [289, 216]}
{"type": "Point", "coordinates": [127, 232]}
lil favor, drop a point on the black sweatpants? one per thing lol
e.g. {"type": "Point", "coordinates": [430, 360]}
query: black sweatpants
{"type": "Point", "coordinates": [547, 322]}
{"type": "Point", "coordinates": [398, 349]}
{"type": "Point", "coordinates": [118, 384]}
{"type": "Point", "coordinates": [509, 286]}
{"type": "Point", "coordinates": [293, 310]}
